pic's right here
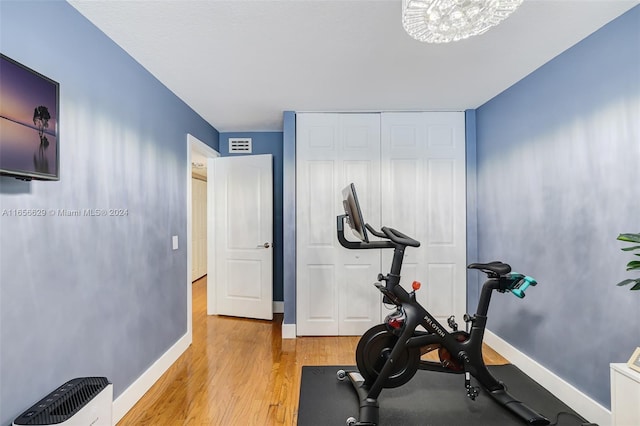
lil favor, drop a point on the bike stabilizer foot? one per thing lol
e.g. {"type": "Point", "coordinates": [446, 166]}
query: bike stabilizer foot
{"type": "Point", "coordinates": [369, 408]}
{"type": "Point", "coordinates": [517, 407]}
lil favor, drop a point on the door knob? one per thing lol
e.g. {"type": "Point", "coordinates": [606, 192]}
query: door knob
{"type": "Point", "coordinates": [265, 245]}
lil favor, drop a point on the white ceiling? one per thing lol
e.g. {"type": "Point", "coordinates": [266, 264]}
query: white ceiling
{"type": "Point", "coordinates": [241, 63]}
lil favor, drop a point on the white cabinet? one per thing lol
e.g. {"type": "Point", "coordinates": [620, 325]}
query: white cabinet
{"type": "Point", "coordinates": [625, 396]}
{"type": "Point", "coordinates": [409, 171]}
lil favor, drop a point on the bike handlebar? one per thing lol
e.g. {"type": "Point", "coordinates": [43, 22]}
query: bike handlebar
{"type": "Point", "coordinates": [359, 245]}
{"type": "Point", "coordinates": [373, 231]}
{"type": "Point", "coordinates": [393, 236]}
{"type": "Point", "coordinates": [399, 238]}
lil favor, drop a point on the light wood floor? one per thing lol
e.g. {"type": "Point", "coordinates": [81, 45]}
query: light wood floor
{"type": "Point", "coordinates": [240, 372]}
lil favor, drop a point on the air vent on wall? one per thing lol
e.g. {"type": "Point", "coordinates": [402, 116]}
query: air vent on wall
{"type": "Point", "coordinates": [239, 145]}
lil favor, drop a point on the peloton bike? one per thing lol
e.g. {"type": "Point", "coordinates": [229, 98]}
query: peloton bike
{"type": "Point", "coordinates": [388, 355]}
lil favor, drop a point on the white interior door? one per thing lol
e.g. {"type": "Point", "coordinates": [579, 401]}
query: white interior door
{"type": "Point", "coordinates": [335, 295]}
{"type": "Point", "coordinates": [243, 194]}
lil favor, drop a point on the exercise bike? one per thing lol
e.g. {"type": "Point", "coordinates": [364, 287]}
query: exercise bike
{"type": "Point", "coordinates": [389, 355]}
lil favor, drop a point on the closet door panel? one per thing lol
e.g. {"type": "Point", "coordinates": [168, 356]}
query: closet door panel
{"type": "Point", "coordinates": [402, 195]}
{"type": "Point", "coordinates": [334, 150]}
{"type": "Point", "coordinates": [423, 171]}
{"type": "Point", "coordinates": [321, 294]}
{"type": "Point", "coordinates": [440, 291]}
{"type": "Point", "coordinates": [316, 249]}
{"type": "Point", "coordinates": [441, 194]}
{"type": "Point", "coordinates": [320, 201]}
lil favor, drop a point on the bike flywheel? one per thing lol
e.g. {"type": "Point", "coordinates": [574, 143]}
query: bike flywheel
{"type": "Point", "coordinates": [374, 348]}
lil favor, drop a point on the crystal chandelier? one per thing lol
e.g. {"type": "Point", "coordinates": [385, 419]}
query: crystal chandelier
{"type": "Point", "coordinates": [442, 21]}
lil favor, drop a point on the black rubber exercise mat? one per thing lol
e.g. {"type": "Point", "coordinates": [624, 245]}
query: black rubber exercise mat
{"type": "Point", "coordinates": [429, 399]}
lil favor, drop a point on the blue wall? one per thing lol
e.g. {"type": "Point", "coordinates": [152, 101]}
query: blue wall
{"type": "Point", "coordinates": [473, 283]}
{"type": "Point", "coordinates": [289, 215]}
{"type": "Point", "coordinates": [93, 295]}
{"type": "Point", "coordinates": [558, 175]}
{"type": "Point", "coordinates": [267, 143]}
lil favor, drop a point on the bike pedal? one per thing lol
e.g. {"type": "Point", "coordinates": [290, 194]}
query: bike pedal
{"type": "Point", "coordinates": [473, 392]}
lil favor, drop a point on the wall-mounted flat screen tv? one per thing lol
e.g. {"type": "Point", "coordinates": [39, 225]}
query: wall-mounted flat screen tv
{"type": "Point", "coordinates": [29, 123]}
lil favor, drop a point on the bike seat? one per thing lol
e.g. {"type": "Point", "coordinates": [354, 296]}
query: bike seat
{"type": "Point", "coordinates": [498, 268]}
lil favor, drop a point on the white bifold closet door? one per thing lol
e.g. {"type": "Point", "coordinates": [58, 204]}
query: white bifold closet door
{"type": "Point", "coordinates": [334, 291]}
{"type": "Point", "coordinates": [409, 172]}
{"type": "Point", "coordinates": [424, 186]}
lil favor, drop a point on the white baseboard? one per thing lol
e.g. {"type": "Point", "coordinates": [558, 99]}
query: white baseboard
{"type": "Point", "coordinates": [567, 393]}
{"type": "Point", "coordinates": [133, 393]}
{"type": "Point", "coordinates": [278, 307]}
{"type": "Point", "coordinates": [288, 331]}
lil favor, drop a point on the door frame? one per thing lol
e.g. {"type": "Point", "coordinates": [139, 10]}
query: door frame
{"type": "Point", "coordinates": [195, 145]}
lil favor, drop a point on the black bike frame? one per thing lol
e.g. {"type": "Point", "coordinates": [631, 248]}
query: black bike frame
{"type": "Point", "coordinates": [468, 352]}
{"type": "Point", "coordinates": [416, 315]}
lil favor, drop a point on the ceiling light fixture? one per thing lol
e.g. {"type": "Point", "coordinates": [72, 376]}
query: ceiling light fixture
{"type": "Point", "coordinates": [443, 21]}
